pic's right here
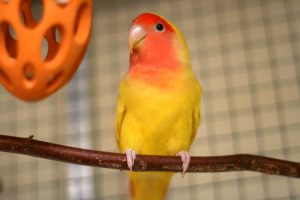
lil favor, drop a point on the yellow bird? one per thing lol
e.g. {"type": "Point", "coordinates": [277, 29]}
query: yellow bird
{"type": "Point", "coordinates": [158, 109]}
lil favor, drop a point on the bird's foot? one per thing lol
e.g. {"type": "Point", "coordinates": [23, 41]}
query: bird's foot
{"type": "Point", "coordinates": [185, 158]}
{"type": "Point", "coordinates": [130, 157]}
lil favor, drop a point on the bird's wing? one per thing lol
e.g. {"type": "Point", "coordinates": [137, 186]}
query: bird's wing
{"type": "Point", "coordinates": [196, 117]}
{"type": "Point", "coordinates": [196, 114]}
{"type": "Point", "coordinates": [120, 115]}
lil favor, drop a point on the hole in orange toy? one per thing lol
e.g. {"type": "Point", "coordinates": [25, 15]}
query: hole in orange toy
{"type": "Point", "coordinates": [57, 34]}
{"type": "Point", "coordinates": [29, 72]}
{"type": "Point", "coordinates": [5, 1]}
{"type": "Point", "coordinates": [23, 18]}
{"type": "Point", "coordinates": [5, 79]}
{"type": "Point", "coordinates": [37, 9]}
{"type": "Point", "coordinates": [11, 44]}
{"type": "Point", "coordinates": [82, 23]}
{"type": "Point", "coordinates": [44, 49]}
{"type": "Point", "coordinates": [52, 40]}
{"type": "Point", "coordinates": [62, 3]}
{"type": "Point", "coordinates": [54, 81]}
{"type": "Point", "coordinates": [30, 13]}
{"type": "Point", "coordinates": [12, 32]}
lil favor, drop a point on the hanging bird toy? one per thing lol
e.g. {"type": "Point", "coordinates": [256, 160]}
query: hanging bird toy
{"type": "Point", "coordinates": [63, 33]}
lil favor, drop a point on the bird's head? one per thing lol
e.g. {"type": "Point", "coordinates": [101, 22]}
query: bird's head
{"type": "Point", "coordinates": [155, 42]}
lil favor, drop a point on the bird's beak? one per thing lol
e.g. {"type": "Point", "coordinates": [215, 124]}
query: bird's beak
{"type": "Point", "coordinates": [136, 35]}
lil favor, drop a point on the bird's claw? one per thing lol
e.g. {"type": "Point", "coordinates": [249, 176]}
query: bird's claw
{"type": "Point", "coordinates": [130, 157]}
{"type": "Point", "coordinates": [185, 158]}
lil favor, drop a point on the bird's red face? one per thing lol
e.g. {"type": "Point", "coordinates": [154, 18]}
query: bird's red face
{"type": "Point", "coordinates": [152, 42]}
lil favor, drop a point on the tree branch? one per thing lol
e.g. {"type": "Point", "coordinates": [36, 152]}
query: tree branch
{"type": "Point", "coordinates": [237, 162]}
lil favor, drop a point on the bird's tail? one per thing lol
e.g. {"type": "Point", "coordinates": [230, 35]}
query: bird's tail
{"type": "Point", "coordinates": [149, 185]}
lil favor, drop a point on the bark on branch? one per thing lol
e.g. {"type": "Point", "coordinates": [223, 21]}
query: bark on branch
{"type": "Point", "coordinates": [226, 163]}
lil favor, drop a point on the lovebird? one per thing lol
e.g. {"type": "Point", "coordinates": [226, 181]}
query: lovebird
{"type": "Point", "coordinates": [158, 108]}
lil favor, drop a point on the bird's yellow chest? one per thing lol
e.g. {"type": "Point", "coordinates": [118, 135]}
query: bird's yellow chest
{"type": "Point", "coordinates": [157, 121]}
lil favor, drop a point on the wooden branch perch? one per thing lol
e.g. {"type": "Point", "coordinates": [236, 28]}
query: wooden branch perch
{"type": "Point", "coordinates": [238, 162]}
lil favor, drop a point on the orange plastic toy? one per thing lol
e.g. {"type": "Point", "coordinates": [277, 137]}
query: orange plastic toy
{"type": "Point", "coordinates": [65, 28]}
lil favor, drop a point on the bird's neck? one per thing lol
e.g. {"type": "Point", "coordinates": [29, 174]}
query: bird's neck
{"type": "Point", "coordinates": [156, 68]}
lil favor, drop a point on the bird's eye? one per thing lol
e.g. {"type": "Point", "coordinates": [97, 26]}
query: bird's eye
{"type": "Point", "coordinates": [159, 27]}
